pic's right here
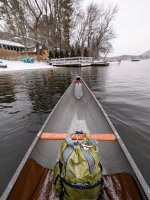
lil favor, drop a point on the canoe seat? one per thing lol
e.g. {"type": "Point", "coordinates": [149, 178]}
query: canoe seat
{"type": "Point", "coordinates": [62, 136]}
{"type": "Point", "coordinates": [35, 182]}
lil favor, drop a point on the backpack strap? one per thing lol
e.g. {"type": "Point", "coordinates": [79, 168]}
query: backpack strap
{"type": "Point", "coordinates": [69, 141]}
{"type": "Point", "coordinates": [89, 158]}
{"type": "Point", "coordinates": [67, 152]}
{"type": "Point", "coordinates": [93, 142]}
{"type": "Point", "coordinates": [70, 146]}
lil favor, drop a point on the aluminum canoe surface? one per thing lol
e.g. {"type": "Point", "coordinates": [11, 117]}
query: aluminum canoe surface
{"type": "Point", "coordinates": [79, 110]}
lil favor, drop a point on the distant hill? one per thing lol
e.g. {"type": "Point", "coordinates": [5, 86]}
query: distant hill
{"type": "Point", "coordinates": [147, 53]}
{"type": "Point", "coordinates": [123, 57]}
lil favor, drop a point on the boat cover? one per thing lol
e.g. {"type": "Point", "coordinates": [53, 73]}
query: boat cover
{"type": "Point", "coordinates": [35, 182]}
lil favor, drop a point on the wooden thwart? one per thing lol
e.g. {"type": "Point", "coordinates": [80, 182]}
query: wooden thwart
{"type": "Point", "coordinates": [62, 136]}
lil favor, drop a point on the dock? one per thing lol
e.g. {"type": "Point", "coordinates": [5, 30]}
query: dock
{"type": "Point", "coordinates": [71, 62]}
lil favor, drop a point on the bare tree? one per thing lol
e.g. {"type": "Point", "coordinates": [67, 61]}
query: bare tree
{"type": "Point", "coordinates": [60, 24]}
{"type": "Point", "coordinates": [95, 28]}
{"type": "Point", "coordinates": [13, 16]}
{"type": "Point", "coordinates": [47, 26]}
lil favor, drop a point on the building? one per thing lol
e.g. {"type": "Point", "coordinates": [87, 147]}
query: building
{"type": "Point", "coordinates": [13, 46]}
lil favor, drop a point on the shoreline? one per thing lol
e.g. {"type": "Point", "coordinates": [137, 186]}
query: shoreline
{"type": "Point", "coordinates": [19, 65]}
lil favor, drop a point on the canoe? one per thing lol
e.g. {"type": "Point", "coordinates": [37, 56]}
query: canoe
{"type": "Point", "coordinates": [77, 110]}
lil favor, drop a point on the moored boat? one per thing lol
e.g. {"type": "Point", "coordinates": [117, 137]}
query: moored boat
{"type": "Point", "coordinates": [101, 64]}
{"type": "Point", "coordinates": [77, 110]}
{"type": "Point", "coordinates": [2, 65]}
{"type": "Point", "coordinates": [135, 60]}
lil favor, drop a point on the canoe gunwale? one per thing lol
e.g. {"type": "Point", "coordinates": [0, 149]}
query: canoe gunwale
{"type": "Point", "coordinates": [136, 170]}
{"type": "Point", "coordinates": [29, 151]}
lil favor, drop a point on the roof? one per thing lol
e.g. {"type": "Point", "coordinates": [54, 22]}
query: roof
{"type": "Point", "coordinates": [10, 43]}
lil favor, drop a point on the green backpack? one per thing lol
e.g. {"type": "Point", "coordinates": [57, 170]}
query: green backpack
{"type": "Point", "coordinates": [78, 173]}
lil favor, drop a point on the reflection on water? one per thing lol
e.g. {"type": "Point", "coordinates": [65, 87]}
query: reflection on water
{"type": "Point", "coordinates": [7, 94]}
{"type": "Point", "coordinates": [26, 98]}
{"type": "Point", "coordinates": [44, 89]}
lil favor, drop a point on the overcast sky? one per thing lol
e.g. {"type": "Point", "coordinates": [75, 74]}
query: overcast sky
{"type": "Point", "coordinates": [132, 26]}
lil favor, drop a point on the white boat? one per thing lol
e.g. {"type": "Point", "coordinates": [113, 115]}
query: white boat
{"type": "Point", "coordinates": [100, 63]}
{"type": "Point", "coordinates": [72, 61]}
{"type": "Point", "coordinates": [77, 110]}
{"type": "Point", "coordinates": [2, 65]}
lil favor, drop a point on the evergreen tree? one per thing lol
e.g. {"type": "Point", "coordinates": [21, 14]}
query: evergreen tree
{"type": "Point", "coordinates": [78, 52]}
{"type": "Point", "coordinates": [66, 53]}
{"type": "Point", "coordinates": [50, 55]}
{"type": "Point", "coordinates": [61, 54]}
{"type": "Point", "coordinates": [72, 53]}
{"type": "Point", "coordinates": [56, 53]}
{"type": "Point", "coordinates": [86, 53]}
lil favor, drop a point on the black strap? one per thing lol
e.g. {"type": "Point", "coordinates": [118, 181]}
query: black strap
{"type": "Point", "coordinates": [82, 185]}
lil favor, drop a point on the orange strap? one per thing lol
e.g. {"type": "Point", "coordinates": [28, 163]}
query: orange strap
{"type": "Point", "coordinates": [62, 136]}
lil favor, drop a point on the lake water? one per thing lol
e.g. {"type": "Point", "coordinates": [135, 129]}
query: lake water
{"type": "Point", "coordinates": [27, 97]}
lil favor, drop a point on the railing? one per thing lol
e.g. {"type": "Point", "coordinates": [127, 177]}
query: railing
{"type": "Point", "coordinates": [72, 60]}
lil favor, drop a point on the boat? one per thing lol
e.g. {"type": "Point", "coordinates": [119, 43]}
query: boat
{"type": "Point", "coordinates": [135, 60]}
{"type": "Point", "coordinates": [99, 63]}
{"type": "Point", "coordinates": [77, 110]}
{"type": "Point", "coordinates": [2, 65]}
{"type": "Point", "coordinates": [71, 62]}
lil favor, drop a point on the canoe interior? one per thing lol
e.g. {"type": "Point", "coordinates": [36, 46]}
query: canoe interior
{"type": "Point", "coordinates": [84, 114]}
{"type": "Point", "coordinates": [72, 115]}
{"type": "Point", "coordinates": [75, 115]}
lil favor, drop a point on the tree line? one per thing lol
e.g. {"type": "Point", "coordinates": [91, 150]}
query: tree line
{"type": "Point", "coordinates": [64, 27]}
